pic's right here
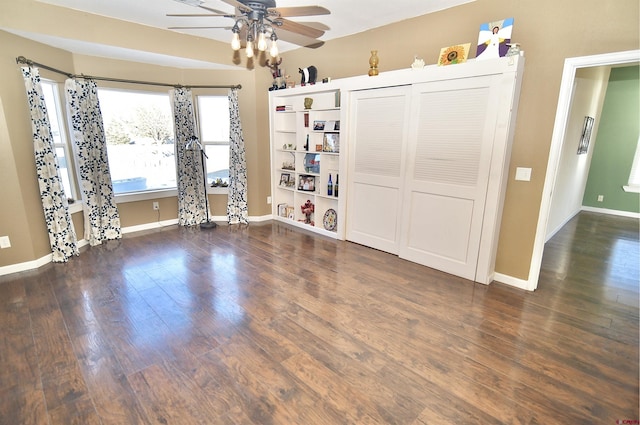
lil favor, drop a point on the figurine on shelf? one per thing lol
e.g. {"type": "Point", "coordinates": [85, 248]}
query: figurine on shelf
{"type": "Point", "coordinates": [309, 75]}
{"type": "Point", "coordinates": [307, 209]}
{"type": "Point", "coordinates": [279, 82]}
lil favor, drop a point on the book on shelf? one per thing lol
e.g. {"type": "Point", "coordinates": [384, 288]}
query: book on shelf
{"type": "Point", "coordinates": [282, 108]}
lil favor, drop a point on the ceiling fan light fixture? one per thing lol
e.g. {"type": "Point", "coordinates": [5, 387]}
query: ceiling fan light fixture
{"type": "Point", "coordinates": [262, 41]}
{"type": "Point", "coordinates": [274, 45]}
{"type": "Point", "coordinates": [249, 48]}
{"type": "Point", "coordinates": [235, 38]}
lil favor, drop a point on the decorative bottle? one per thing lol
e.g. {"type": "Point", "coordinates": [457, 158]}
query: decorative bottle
{"type": "Point", "coordinates": [330, 187]}
{"type": "Point", "coordinates": [335, 187]}
{"type": "Point", "coordinates": [306, 145]}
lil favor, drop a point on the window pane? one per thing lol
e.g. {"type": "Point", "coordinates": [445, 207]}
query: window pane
{"type": "Point", "coordinates": [52, 111]}
{"type": "Point", "coordinates": [217, 163]}
{"type": "Point", "coordinates": [139, 132]}
{"type": "Point", "coordinates": [214, 118]}
{"type": "Point", "coordinates": [49, 92]}
{"type": "Point", "coordinates": [64, 171]}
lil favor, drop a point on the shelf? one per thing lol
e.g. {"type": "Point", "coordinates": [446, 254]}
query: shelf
{"type": "Point", "coordinates": [295, 128]}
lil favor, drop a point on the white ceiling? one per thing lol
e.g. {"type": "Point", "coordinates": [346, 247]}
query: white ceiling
{"type": "Point", "coordinates": [347, 17]}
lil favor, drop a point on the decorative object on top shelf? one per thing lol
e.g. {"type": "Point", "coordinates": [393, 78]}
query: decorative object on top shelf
{"type": "Point", "coordinates": [278, 80]}
{"type": "Point", "coordinates": [418, 63]}
{"type": "Point", "coordinates": [373, 63]}
{"type": "Point", "coordinates": [307, 104]}
{"type": "Point", "coordinates": [514, 49]}
{"type": "Point", "coordinates": [454, 54]}
{"type": "Point", "coordinates": [330, 219]}
{"type": "Point", "coordinates": [309, 75]}
{"type": "Point", "coordinates": [307, 209]}
{"type": "Point", "coordinates": [494, 39]}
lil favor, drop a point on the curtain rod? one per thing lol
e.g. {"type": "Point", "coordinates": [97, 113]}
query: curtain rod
{"type": "Point", "coordinates": [25, 61]}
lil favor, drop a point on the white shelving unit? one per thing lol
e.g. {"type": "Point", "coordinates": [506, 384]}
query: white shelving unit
{"type": "Point", "coordinates": [307, 148]}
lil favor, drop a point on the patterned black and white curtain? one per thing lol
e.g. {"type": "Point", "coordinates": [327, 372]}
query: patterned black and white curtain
{"type": "Point", "coordinates": [189, 175]}
{"type": "Point", "coordinates": [237, 209]}
{"type": "Point", "coordinates": [101, 217]}
{"type": "Point", "coordinates": [62, 236]}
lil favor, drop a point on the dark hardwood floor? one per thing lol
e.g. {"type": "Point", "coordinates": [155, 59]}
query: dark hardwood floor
{"type": "Point", "coordinates": [270, 325]}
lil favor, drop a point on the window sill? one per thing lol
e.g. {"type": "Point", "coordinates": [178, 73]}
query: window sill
{"type": "Point", "coordinates": [144, 196]}
{"type": "Point", "coordinates": [75, 207]}
{"type": "Point", "coordinates": [218, 190]}
{"type": "Point", "coordinates": [633, 189]}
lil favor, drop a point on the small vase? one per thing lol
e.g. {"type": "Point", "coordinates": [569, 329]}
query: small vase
{"type": "Point", "coordinates": [373, 63]}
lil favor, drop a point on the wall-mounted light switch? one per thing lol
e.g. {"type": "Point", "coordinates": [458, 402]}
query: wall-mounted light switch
{"type": "Point", "coordinates": [5, 242]}
{"type": "Point", "coordinates": [523, 174]}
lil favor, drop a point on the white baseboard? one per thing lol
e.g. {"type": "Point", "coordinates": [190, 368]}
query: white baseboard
{"type": "Point", "coordinates": [149, 226]}
{"type": "Point", "coordinates": [612, 212]}
{"type": "Point", "coordinates": [512, 281]}
{"type": "Point", "coordinates": [260, 218]}
{"type": "Point", "coordinates": [34, 264]}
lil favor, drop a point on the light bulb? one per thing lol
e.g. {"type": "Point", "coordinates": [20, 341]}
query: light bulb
{"type": "Point", "coordinates": [274, 49]}
{"type": "Point", "coordinates": [235, 41]}
{"type": "Point", "coordinates": [262, 42]}
{"type": "Point", "coordinates": [249, 49]}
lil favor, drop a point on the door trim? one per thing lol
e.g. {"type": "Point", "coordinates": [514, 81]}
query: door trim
{"type": "Point", "coordinates": [557, 140]}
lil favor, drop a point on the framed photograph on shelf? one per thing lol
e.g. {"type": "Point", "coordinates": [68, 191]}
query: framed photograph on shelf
{"type": "Point", "coordinates": [307, 183]}
{"type": "Point", "coordinates": [284, 179]}
{"type": "Point", "coordinates": [332, 126]}
{"type": "Point", "coordinates": [318, 125]}
{"type": "Point", "coordinates": [331, 142]}
{"type": "Point", "coordinates": [282, 210]}
{"type": "Point", "coordinates": [290, 213]}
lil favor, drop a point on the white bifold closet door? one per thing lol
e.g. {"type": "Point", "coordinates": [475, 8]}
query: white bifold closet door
{"type": "Point", "coordinates": [377, 154]}
{"type": "Point", "coordinates": [450, 149]}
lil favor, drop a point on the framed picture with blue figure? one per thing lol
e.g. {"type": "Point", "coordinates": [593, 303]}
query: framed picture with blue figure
{"type": "Point", "coordinates": [494, 39]}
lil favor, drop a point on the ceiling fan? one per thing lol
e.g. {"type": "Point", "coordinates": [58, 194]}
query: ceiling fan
{"type": "Point", "coordinates": [257, 20]}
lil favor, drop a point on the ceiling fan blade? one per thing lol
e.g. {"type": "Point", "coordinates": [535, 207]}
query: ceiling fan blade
{"type": "Point", "coordinates": [198, 28]}
{"type": "Point", "coordinates": [238, 5]}
{"type": "Point", "coordinates": [300, 40]}
{"type": "Point", "coordinates": [317, 25]}
{"type": "Point", "coordinates": [287, 12]}
{"type": "Point", "coordinates": [298, 28]}
{"type": "Point", "coordinates": [195, 15]}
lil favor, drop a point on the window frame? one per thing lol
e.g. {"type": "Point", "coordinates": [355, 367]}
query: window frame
{"type": "Point", "coordinates": [205, 143]}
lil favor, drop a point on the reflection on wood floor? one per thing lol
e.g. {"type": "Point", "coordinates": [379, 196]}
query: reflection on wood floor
{"type": "Point", "coordinates": [271, 325]}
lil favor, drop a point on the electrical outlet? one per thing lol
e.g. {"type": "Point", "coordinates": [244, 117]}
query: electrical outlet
{"type": "Point", "coordinates": [269, 200]}
{"type": "Point", "coordinates": [5, 242]}
{"type": "Point", "coordinates": [600, 198]}
{"type": "Point", "coordinates": [156, 206]}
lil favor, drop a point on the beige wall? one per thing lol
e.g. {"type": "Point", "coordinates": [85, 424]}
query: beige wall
{"type": "Point", "coordinates": [21, 215]}
{"type": "Point", "coordinates": [549, 32]}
